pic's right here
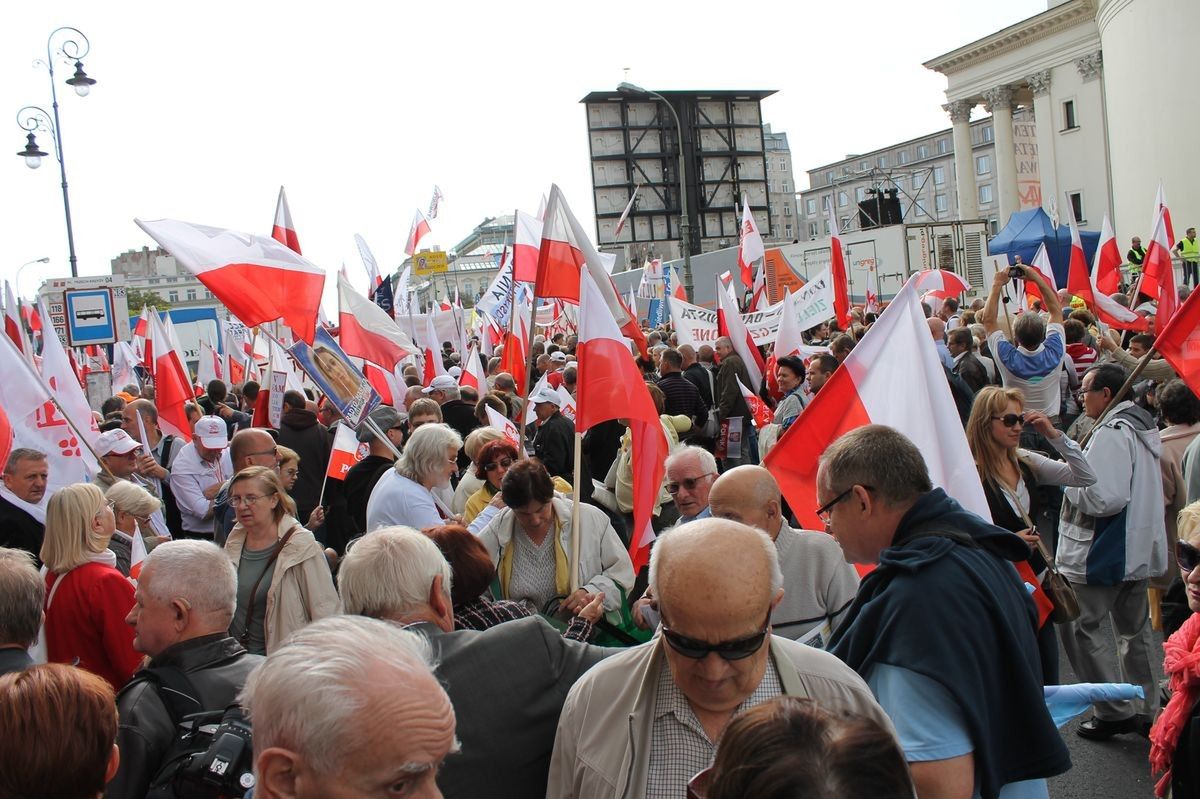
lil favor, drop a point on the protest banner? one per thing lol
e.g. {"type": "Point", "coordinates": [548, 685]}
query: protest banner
{"type": "Point", "coordinates": [336, 375]}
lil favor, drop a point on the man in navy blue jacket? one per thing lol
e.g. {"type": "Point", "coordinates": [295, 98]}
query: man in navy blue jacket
{"type": "Point", "coordinates": [943, 629]}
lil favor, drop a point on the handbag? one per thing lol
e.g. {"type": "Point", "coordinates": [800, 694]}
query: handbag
{"type": "Point", "coordinates": [1057, 587]}
{"type": "Point", "coordinates": [712, 425]}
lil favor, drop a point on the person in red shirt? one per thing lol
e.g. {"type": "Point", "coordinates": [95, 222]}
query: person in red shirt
{"type": "Point", "coordinates": [87, 599]}
{"type": "Point", "coordinates": [1083, 355]}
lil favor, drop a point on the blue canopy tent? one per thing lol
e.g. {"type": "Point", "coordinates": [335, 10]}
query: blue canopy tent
{"type": "Point", "coordinates": [1026, 230]}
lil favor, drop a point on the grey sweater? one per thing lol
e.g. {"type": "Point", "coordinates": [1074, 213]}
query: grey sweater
{"type": "Point", "coordinates": [818, 586]}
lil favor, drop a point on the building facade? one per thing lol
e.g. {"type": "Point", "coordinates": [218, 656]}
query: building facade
{"type": "Point", "coordinates": [157, 271]}
{"type": "Point", "coordinates": [781, 188]}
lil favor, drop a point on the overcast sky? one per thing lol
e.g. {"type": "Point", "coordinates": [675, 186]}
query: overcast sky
{"type": "Point", "coordinates": [360, 108]}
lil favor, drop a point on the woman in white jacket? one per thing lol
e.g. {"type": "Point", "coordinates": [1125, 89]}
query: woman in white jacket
{"type": "Point", "coordinates": [527, 532]}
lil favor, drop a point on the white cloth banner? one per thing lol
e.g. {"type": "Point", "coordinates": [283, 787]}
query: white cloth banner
{"type": "Point", "coordinates": [496, 302]}
{"type": "Point", "coordinates": [813, 304]}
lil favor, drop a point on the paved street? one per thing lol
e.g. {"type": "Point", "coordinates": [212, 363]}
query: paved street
{"type": "Point", "coordinates": [1115, 768]}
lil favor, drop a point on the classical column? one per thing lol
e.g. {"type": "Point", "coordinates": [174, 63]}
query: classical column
{"type": "Point", "coordinates": [1043, 115]}
{"type": "Point", "coordinates": [964, 163]}
{"type": "Point", "coordinates": [999, 102]}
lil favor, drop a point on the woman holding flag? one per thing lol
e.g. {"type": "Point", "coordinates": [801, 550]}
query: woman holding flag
{"type": "Point", "coordinates": [1011, 476]}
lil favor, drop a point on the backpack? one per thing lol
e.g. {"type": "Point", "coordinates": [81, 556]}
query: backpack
{"type": "Point", "coordinates": [211, 756]}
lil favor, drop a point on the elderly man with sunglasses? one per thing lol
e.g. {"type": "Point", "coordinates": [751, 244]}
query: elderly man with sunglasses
{"type": "Point", "coordinates": [645, 721]}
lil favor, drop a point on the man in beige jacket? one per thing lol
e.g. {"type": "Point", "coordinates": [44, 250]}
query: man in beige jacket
{"type": "Point", "coordinates": [644, 722]}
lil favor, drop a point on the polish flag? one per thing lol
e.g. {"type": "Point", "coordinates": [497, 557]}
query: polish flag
{"type": "Point", "coordinates": [566, 252]}
{"type": "Point", "coordinates": [499, 421]}
{"type": "Point", "coordinates": [368, 259]}
{"type": "Point", "coordinates": [124, 360]}
{"type": "Point", "coordinates": [625, 213]}
{"type": "Point", "coordinates": [284, 231]}
{"type": "Point", "coordinates": [473, 373]}
{"type": "Point", "coordinates": [208, 367]}
{"type": "Point", "coordinates": [420, 229]}
{"type": "Point", "coordinates": [758, 298]}
{"type": "Point", "coordinates": [726, 279]}
{"type": "Point", "coordinates": [366, 331]}
{"type": "Point", "coordinates": [751, 248]}
{"type": "Point", "coordinates": [611, 387]}
{"type": "Point", "coordinates": [12, 321]}
{"type": "Point", "coordinates": [568, 407]}
{"type": "Point", "coordinates": [896, 351]}
{"type": "Point", "coordinates": [6, 436]}
{"type": "Point", "coordinates": [1158, 274]}
{"type": "Point", "coordinates": [378, 378]}
{"type": "Point", "coordinates": [258, 279]}
{"type": "Point", "coordinates": [1041, 263]}
{"type": "Point", "coordinates": [137, 554]}
{"type": "Point", "coordinates": [432, 351]}
{"type": "Point", "coordinates": [60, 374]}
{"type": "Point", "coordinates": [1179, 342]}
{"type": "Point", "coordinates": [631, 302]}
{"type": "Point", "coordinates": [788, 338]}
{"type": "Point", "coordinates": [171, 385]}
{"type": "Point", "coordinates": [760, 414]}
{"type": "Point", "coordinates": [527, 242]}
{"type": "Point", "coordinates": [837, 273]}
{"type": "Point", "coordinates": [872, 302]}
{"type": "Point", "coordinates": [237, 372]}
{"type": "Point", "coordinates": [729, 323]}
{"type": "Point", "coordinates": [141, 337]}
{"type": "Point", "coordinates": [345, 452]}
{"type": "Point", "coordinates": [677, 289]}
{"type": "Point", "coordinates": [1084, 285]}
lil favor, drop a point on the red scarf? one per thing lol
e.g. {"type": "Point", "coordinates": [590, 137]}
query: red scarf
{"type": "Point", "coordinates": [1182, 665]}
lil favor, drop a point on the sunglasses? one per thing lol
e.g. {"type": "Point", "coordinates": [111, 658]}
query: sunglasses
{"type": "Point", "coordinates": [1010, 419]}
{"type": "Point", "coordinates": [503, 463]}
{"type": "Point", "coordinates": [1186, 555]}
{"type": "Point", "coordinates": [737, 649]}
{"type": "Point", "coordinates": [687, 484]}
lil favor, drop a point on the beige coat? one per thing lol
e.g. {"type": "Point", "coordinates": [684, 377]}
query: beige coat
{"type": "Point", "coordinates": [1175, 440]}
{"type": "Point", "coordinates": [301, 585]}
{"type": "Point", "coordinates": [602, 747]}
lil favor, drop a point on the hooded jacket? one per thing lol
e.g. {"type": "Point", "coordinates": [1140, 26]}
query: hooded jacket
{"type": "Point", "coordinates": [300, 430]}
{"type": "Point", "coordinates": [1113, 531]}
{"type": "Point", "coordinates": [945, 602]}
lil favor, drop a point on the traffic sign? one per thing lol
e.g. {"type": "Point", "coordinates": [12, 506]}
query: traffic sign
{"type": "Point", "coordinates": [89, 317]}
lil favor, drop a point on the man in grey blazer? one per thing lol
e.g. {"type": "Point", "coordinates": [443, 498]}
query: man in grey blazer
{"type": "Point", "coordinates": [507, 683]}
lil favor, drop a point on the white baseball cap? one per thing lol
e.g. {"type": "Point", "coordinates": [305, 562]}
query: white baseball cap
{"type": "Point", "coordinates": [212, 432]}
{"type": "Point", "coordinates": [115, 442]}
{"type": "Point", "coordinates": [546, 394]}
{"type": "Point", "coordinates": [558, 356]}
{"type": "Point", "coordinates": [440, 383]}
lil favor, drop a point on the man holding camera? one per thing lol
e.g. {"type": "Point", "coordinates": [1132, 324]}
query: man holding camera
{"type": "Point", "coordinates": [184, 603]}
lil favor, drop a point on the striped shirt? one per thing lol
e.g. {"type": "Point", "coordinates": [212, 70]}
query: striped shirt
{"type": "Point", "coordinates": [485, 613]}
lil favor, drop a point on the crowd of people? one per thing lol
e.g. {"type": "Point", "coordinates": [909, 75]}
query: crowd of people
{"type": "Point", "coordinates": [446, 619]}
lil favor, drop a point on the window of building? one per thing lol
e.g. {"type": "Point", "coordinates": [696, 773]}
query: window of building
{"type": "Point", "coordinates": [1076, 200]}
{"type": "Point", "coordinates": [787, 209]}
{"type": "Point", "coordinates": [902, 157]}
{"type": "Point", "coordinates": [844, 223]}
{"type": "Point", "coordinates": [829, 176]}
{"type": "Point", "coordinates": [208, 295]}
{"type": "Point", "coordinates": [826, 202]}
{"type": "Point", "coordinates": [882, 161]}
{"type": "Point", "coordinates": [783, 165]}
{"type": "Point", "coordinates": [787, 231]}
{"type": "Point", "coordinates": [987, 133]}
{"type": "Point", "coordinates": [943, 146]}
{"type": "Point", "coordinates": [899, 183]}
{"type": "Point", "coordinates": [860, 194]}
{"type": "Point", "coordinates": [985, 194]}
{"type": "Point", "coordinates": [172, 296]}
{"type": "Point", "coordinates": [993, 227]}
{"type": "Point", "coordinates": [863, 166]}
{"type": "Point", "coordinates": [941, 203]}
{"type": "Point", "coordinates": [191, 294]}
{"type": "Point", "coordinates": [983, 165]}
{"type": "Point", "coordinates": [826, 226]}
{"type": "Point", "coordinates": [786, 187]}
{"type": "Point", "coordinates": [814, 229]}
{"type": "Point", "coordinates": [468, 288]}
{"type": "Point", "coordinates": [1069, 120]}
{"type": "Point", "coordinates": [810, 205]}
{"type": "Point", "coordinates": [843, 199]}
{"type": "Point", "coordinates": [922, 151]}
{"type": "Point", "coordinates": [939, 175]}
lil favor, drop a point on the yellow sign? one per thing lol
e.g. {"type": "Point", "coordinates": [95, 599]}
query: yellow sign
{"type": "Point", "coordinates": [430, 263]}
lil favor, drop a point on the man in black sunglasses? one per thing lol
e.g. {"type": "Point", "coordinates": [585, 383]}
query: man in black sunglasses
{"type": "Point", "coordinates": [943, 629]}
{"type": "Point", "coordinates": [645, 721]}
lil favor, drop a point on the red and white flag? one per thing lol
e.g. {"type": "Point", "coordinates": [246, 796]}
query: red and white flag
{"type": "Point", "coordinates": [527, 241]}
{"type": "Point", "coordinates": [788, 338]}
{"type": "Point", "coordinates": [625, 213]}
{"type": "Point", "coordinates": [365, 330]}
{"type": "Point", "coordinates": [1158, 273]}
{"type": "Point", "coordinates": [374, 279]}
{"type": "Point", "coordinates": [473, 372]}
{"type": "Point", "coordinates": [208, 367]}
{"type": "Point", "coordinates": [420, 229]}
{"type": "Point", "coordinates": [258, 279]}
{"type": "Point", "coordinates": [37, 423]}
{"type": "Point", "coordinates": [1083, 285]}
{"type": "Point", "coordinates": [1041, 264]}
{"type": "Point", "coordinates": [137, 554]}
{"type": "Point", "coordinates": [760, 414]}
{"type": "Point", "coordinates": [896, 351]}
{"type": "Point", "coordinates": [751, 247]}
{"type": "Point", "coordinates": [871, 305]}
{"type": "Point", "coordinates": [758, 298]}
{"type": "Point", "coordinates": [838, 274]}
{"type": "Point", "coordinates": [62, 377]}
{"type": "Point", "coordinates": [567, 407]}
{"type": "Point", "coordinates": [284, 231]}
{"type": "Point", "coordinates": [1179, 342]}
{"type": "Point", "coordinates": [172, 388]}
{"type": "Point", "coordinates": [611, 387]}
{"type": "Point", "coordinates": [677, 289]}
{"type": "Point", "coordinates": [505, 425]}
{"type": "Point", "coordinates": [726, 280]}
{"type": "Point", "coordinates": [345, 453]}
{"type": "Point", "coordinates": [729, 323]}
{"type": "Point", "coordinates": [12, 322]}
{"type": "Point", "coordinates": [431, 351]}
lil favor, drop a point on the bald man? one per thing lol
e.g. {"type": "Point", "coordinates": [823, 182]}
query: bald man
{"type": "Point", "coordinates": [645, 721]}
{"type": "Point", "coordinates": [818, 583]}
{"type": "Point", "coordinates": [937, 329]}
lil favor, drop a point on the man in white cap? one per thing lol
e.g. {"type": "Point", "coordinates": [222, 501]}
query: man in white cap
{"type": "Point", "coordinates": [558, 362]}
{"type": "Point", "coordinates": [459, 415]}
{"type": "Point", "coordinates": [119, 454]}
{"type": "Point", "coordinates": [198, 473]}
{"type": "Point", "coordinates": [554, 437]}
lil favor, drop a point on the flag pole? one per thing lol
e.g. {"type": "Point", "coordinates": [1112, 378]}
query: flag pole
{"type": "Point", "coordinates": [526, 386]}
{"type": "Point", "coordinates": [576, 475]}
{"type": "Point", "coordinates": [382, 436]}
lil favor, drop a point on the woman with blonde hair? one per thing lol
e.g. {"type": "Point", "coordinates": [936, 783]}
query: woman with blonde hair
{"type": "Point", "coordinates": [1011, 477]}
{"type": "Point", "coordinates": [132, 508]}
{"type": "Point", "coordinates": [284, 580]}
{"type": "Point", "coordinates": [87, 598]}
{"type": "Point", "coordinates": [470, 480]}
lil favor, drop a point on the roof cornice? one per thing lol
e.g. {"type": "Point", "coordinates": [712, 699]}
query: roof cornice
{"type": "Point", "coordinates": [1047, 23]}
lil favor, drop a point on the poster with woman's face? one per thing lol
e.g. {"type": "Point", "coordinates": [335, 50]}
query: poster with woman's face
{"type": "Point", "coordinates": [337, 376]}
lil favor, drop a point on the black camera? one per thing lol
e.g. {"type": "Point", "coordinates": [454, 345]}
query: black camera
{"type": "Point", "coordinates": [217, 761]}
{"type": "Point", "coordinates": [1016, 273]}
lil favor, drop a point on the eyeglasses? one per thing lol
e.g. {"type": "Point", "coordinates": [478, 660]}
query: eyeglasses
{"type": "Point", "coordinates": [503, 463]}
{"type": "Point", "coordinates": [825, 512]}
{"type": "Point", "coordinates": [273, 452]}
{"type": "Point", "coordinates": [687, 483]}
{"type": "Point", "coordinates": [737, 649]}
{"type": "Point", "coordinates": [248, 500]}
{"type": "Point", "coordinates": [1186, 555]}
{"type": "Point", "coordinates": [1010, 419]}
{"type": "Point", "coordinates": [1084, 391]}
{"type": "Point", "coordinates": [111, 505]}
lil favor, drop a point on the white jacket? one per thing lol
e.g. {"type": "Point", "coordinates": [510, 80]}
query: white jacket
{"type": "Point", "coordinates": [1112, 531]}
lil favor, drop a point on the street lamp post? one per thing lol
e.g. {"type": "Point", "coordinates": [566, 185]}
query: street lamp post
{"type": "Point", "coordinates": [685, 227]}
{"type": "Point", "coordinates": [32, 118]}
{"type": "Point", "coordinates": [17, 281]}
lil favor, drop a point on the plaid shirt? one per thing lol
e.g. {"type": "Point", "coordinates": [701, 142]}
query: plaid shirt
{"type": "Point", "coordinates": [485, 613]}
